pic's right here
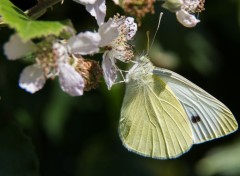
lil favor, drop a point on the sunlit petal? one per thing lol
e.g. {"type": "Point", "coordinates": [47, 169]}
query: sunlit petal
{"type": "Point", "coordinates": [71, 81]}
{"type": "Point", "coordinates": [186, 19]}
{"type": "Point", "coordinates": [32, 78]}
{"type": "Point", "coordinates": [116, 2]}
{"type": "Point", "coordinates": [98, 10]}
{"type": "Point", "coordinates": [108, 32]}
{"type": "Point", "coordinates": [109, 70]}
{"type": "Point", "coordinates": [132, 27]}
{"type": "Point", "coordinates": [15, 48]}
{"type": "Point", "coordinates": [84, 2]}
{"type": "Point", "coordinates": [84, 43]}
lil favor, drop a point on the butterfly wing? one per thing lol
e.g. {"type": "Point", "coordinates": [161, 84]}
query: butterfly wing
{"type": "Point", "coordinates": [153, 122]}
{"type": "Point", "coordinates": [209, 117]}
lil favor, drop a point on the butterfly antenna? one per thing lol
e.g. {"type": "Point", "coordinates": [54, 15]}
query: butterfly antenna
{"type": "Point", "coordinates": [159, 21]}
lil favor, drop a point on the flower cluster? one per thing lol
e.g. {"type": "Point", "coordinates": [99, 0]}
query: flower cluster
{"type": "Point", "coordinates": [112, 37]}
{"type": "Point", "coordinates": [65, 58]}
{"type": "Point", "coordinates": [51, 60]}
{"type": "Point", "coordinates": [185, 10]}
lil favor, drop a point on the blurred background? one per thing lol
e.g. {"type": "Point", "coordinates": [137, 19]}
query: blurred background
{"type": "Point", "coordinates": [79, 136]}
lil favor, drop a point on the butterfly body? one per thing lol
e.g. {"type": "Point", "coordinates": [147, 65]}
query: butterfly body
{"type": "Point", "coordinates": [163, 114]}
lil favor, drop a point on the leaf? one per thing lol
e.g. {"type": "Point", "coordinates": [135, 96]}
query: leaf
{"type": "Point", "coordinates": [17, 155]}
{"type": "Point", "coordinates": [26, 27]}
{"type": "Point", "coordinates": [223, 160]}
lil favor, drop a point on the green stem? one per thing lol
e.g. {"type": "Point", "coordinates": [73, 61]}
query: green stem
{"type": "Point", "coordinates": [41, 7]}
{"type": "Point", "coordinates": [37, 10]}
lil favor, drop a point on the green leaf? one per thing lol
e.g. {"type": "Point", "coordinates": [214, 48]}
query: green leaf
{"type": "Point", "coordinates": [26, 27]}
{"type": "Point", "coordinates": [17, 156]}
{"type": "Point", "coordinates": [224, 160]}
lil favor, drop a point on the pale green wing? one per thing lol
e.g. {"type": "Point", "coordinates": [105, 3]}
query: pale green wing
{"type": "Point", "coordinates": [209, 117]}
{"type": "Point", "coordinates": [153, 122]}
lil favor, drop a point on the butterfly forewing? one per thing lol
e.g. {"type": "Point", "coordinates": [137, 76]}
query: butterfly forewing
{"type": "Point", "coordinates": [153, 122]}
{"type": "Point", "coordinates": [209, 117]}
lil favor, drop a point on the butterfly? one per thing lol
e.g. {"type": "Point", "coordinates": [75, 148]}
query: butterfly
{"type": "Point", "coordinates": [163, 114]}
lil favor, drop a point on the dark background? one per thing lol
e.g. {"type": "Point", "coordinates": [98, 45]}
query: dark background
{"type": "Point", "coordinates": [79, 136]}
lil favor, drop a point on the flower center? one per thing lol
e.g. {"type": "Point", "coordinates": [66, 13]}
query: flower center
{"type": "Point", "coordinates": [200, 6]}
{"type": "Point", "coordinates": [119, 48]}
{"type": "Point", "coordinates": [90, 70]}
{"type": "Point", "coordinates": [47, 59]}
{"type": "Point", "coordinates": [193, 6]}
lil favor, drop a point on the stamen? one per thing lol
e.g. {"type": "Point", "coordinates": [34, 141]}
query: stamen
{"type": "Point", "coordinates": [193, 6]}
{"type": "Point", "coordinates": [200, 6]}
{"type": "Point", "coordinates": [90, 71]}
{"type": "Point", "coordinates": [119, 48]}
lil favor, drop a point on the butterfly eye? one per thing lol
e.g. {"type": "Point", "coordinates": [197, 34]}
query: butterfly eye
{"type": "Point", "coordinates": [195, 119]}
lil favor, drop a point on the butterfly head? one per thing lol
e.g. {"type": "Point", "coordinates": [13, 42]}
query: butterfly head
{"type": "Point", "coordinates": [141, 68]}
{"type": "Point", "coordinates": [144, 61]}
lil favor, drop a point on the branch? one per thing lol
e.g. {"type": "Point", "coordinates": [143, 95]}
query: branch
{"type": "Point", "coordinates": [36, 11]}
{"type": "Point", "coordinates": [41, 7]}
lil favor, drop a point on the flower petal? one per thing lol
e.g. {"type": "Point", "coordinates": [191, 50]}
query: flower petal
{"type": "Point", "coordinates": [98, 10]}
{"type": "Point", "coordinates": [109, 70]}
{"type": "Point", "coordinates": [84, 2]}
{"type": "Point", "coordinates": [116, 2]}
{"type": "Point", "coordinates": [32, 78]}
{"type": "Point", "coordinates": [15, 48]}
{"type": "Point", "coordinates": [84, 43]}
{"type": "Point", "coordinates": [71, 81]}
{"type": "Point", "coordinates": [132, 27]}
{"type": "Point", "coordinates": [186, 19]}
{"type": "Point", "coordinates": [60, 51]}
{"type": "Point", "coordinates": [108, 32]}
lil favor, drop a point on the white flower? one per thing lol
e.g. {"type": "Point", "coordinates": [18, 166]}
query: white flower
{"type": "Point", "coordinates": [90, 42]}
{"type": "Point", "coordinates": [96, 8]}
{"type": "Point", "coordinates": [113, 37]}
{"type": "Point", "coordinates": [33, 77]}
{"type": "Point", "coordinates": [185, 10]}
{"type": "Point", "coordinates": [70, 80]}
{"type": "Point", "coordinates": [118, 49]}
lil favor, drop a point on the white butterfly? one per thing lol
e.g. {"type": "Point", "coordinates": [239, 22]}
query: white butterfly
{"type": "Point", "coordinates": [164, 114]}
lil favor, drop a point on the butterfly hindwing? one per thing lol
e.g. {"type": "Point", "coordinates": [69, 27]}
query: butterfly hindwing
{"type": "Point", "coordinates": [209, 117]}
